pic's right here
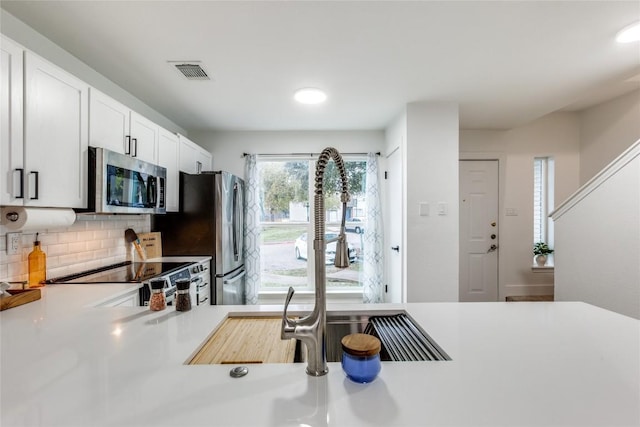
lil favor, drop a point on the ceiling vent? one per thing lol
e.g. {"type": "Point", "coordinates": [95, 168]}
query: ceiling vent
{"type": "Point", "coordinates": [191, 70]}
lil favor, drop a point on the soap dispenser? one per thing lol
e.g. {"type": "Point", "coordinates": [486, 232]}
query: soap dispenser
{"type": "Point", "coordinates": [37, 265]}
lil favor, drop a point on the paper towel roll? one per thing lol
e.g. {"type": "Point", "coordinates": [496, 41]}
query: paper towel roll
{"type": "Point", "coordinates": [36, 219]}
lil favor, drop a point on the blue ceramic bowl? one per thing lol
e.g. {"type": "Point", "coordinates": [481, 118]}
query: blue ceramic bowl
{"type": "Point", "coordinates": [361, 369]}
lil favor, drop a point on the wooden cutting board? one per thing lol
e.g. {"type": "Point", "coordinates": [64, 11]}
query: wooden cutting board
{"type": "Point", "coordinates": [18, 297]}
{"type": "Point", "coordinates": [151, 243]}
{"type": "Point", "coordinates": [243, 340]}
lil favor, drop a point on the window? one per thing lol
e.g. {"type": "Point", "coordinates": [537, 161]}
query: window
{"type": "Point", "coordinates": [286, 252]}
{"type": "Point", "coordinates": [543, 178]}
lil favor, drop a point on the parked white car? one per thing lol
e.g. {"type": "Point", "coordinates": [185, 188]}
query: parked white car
{"type": "Point", "coordinates": [355, 224]}
{"type": "Point", "coordinates": [330, 254]}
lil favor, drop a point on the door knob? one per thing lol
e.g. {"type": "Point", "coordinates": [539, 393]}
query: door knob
{"type": "Point", "coordinates": [492, 248]}
{"type": "Point", "coordinates": [395, 248]}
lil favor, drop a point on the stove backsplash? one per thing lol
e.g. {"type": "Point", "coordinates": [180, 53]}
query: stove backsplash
{"type": "Point", "coordinates": [92, 241]}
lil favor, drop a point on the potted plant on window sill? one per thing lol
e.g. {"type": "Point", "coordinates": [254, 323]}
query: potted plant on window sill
{"type": "Point", "coordinates": [541, 250]}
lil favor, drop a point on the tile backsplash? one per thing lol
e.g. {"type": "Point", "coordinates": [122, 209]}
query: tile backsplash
{"type": "Point", "coordinates": [92, 241]}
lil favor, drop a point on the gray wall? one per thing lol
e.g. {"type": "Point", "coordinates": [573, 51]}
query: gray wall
{"type": "Point", "coordinates": [227, 147]}
{"type": "Point", "coordinates": [607, 130]}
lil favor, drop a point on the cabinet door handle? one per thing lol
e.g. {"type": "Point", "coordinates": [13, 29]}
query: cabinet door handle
{"type": "Point", "coordinates": [36, 185]}
{"type": "Point", "coordinates": [395, 248]}
{"type": "Point", "coordinates": [21, 195]}
{"type": "Point", "coordinates": [135, 147]}
{"type": "Point", "coordinates": [127, 145]}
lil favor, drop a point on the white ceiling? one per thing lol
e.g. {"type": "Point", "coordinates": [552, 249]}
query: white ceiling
{"type": "Point", "coordinates": [505, 62]}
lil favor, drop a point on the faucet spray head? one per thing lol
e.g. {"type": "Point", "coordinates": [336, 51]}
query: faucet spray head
{"type": "Point", "coordinates": [342, 252]}
{"type": "Point", "coordinates": [342, 248]}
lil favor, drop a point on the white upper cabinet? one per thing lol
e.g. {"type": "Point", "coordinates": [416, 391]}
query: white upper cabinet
{"type": "Point", "coordinates": [168, 155]}
{"type": "Point", "coordinates": [108, 123]}
{"type": "Point", "coordinates": [204, 159]}
{"type": "Point", "coordinates": [11, 132]}
{"type": "Point", "coordinates": [144, 138]}
{"type": "Point", "coordinates": [55, 135]}
{"type": "Point", "coordinates": [118, 128]}
{"type": "Point", "coordinates": [193, 158]}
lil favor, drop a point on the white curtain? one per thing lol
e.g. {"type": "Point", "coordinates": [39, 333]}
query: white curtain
{"type": "Point", "coordinates": [373, 254]}
{"type": "Point", "coordinates": [252, 229]}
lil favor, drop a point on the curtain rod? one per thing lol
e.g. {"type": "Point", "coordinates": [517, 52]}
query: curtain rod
{"type": "Point", "coordinates": [304, 154]}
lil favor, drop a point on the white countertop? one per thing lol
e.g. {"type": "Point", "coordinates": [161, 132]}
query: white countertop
{"type": "Point", "coordinates": [66, 363]}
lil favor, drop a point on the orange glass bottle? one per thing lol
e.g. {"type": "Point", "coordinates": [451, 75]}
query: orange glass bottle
{"type": "Point", "coordinates": [37, 265]}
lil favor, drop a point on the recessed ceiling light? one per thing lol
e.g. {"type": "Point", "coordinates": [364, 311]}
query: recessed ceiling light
{"type": "Point", "coordinates": [629, 34]}
{"type": "Point", "coordinates": [309, 95]}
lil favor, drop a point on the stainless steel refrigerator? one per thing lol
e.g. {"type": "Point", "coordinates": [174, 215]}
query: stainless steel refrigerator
{"type": "Point", "coordinates": [210, 222]}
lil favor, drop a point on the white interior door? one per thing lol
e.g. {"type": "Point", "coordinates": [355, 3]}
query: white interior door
{"type": "Point", "coordinates": [479, 230]}
{"type": "Point", "coordinates": [394, 250]}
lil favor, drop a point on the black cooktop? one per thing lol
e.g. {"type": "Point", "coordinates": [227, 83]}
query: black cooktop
{"type": "Point", "coordinates": [125, 272]}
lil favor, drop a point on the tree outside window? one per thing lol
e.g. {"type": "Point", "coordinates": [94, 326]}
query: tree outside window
{"type": "Point", "coordinates": [286, 252]}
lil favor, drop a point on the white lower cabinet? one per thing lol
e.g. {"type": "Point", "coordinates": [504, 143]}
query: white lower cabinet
{"type": "Point", "coordinates": [130, 299]}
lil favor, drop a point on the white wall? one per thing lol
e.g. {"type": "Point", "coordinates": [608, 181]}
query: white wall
{"type": "Point", "coordinates": [555, 135]}
{"type": "Point", "coordinates": [227, 147]}
{"type": "Point", "coordinates": [607, 130]}
{"type": "Point", "coordinates": [432, 177]}
{"type": "Point", "coordinates": [36, 42]}
{"type": "Point", "coordinates": [598, 241]}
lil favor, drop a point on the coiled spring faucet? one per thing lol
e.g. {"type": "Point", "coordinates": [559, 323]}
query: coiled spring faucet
{"type": "Point", "coordinates": [311, 329]}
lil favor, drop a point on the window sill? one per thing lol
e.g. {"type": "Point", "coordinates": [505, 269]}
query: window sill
{"type": "Point", "coordinates": [308, 296]}
{"type": "Point", "coordinates": [543, 269]}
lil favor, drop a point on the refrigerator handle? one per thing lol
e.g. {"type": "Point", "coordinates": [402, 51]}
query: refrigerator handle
{"type": "Point", "coordinates": [235, 221]}
{"type": "Point", "coordinates": [235, 278]}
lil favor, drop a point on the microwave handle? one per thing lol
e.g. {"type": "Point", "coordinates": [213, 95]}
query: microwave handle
{"type": "Point", "coordinates": [160, 195]}
{"type": "Point", "coordinates": [153, 194]}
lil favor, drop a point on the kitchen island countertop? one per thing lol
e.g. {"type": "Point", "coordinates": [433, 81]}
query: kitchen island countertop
{"type": "Point", "coordinates": [65, 362]}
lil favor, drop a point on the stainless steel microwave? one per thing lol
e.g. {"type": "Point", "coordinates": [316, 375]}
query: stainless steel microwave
{"type": "Point", "coordinates": [125, 184]}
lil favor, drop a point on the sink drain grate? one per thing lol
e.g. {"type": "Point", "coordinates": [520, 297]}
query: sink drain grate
{"type": "Point", "coordinates": [403, 340]}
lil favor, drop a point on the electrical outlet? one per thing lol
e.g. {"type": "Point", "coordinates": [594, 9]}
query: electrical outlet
{"type": "Point", "coordinates": [13, 243]}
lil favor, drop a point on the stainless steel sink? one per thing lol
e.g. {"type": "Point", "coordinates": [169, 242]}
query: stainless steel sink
{"type": "Point", "coordinates": [401, 338]}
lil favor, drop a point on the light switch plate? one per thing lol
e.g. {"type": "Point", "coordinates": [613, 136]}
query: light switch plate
{"type": "Point", "coordinates": [13, 243]}
{"type": "Point", "coordinates": [442, 208]}
{"type": "Point", "coordinates": [424, 209]}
